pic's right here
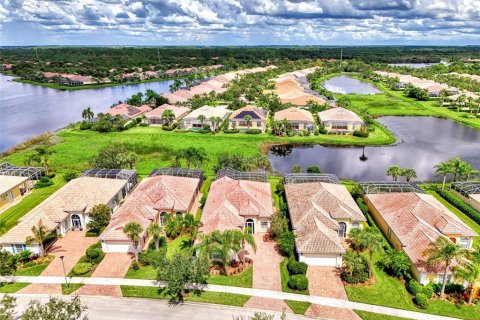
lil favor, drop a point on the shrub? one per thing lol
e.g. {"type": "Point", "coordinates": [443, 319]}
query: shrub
{"type": "Point", "coordinates": [295, 267]}
{"type": "Point", "coordinates": [361, 134]}
{"type": "Point", "coordinates": [167, 128]}
{"type": "Point", "coordinates": [421, 300]}
{"type": "Point", "coordinates": [428, 291]}
{"type": "Point", "coordinates": [82, 268]}
{"type": "Point", "coordinates": [204, 131]}
{"type": "Point", "coordinates": [135, 266]}
{"type": "Point", "coordinates": [231, 131]}
{"type": "Point", "coordinates": [162, 242]}
{"type": "Point", "coordinates": [322, 130]}
{"type": "Point", "coordinates": [151, 256]}
{"type": "Point", "coordinates": [70, 175]}
{"type": "Point", "coordinates": [85, 125]}
{"type": "Point", "coordinates": [459, 204]}
{"type": "Point", "coordinates": [358, 273]}
{"type": "Point", "coordinates": [298, 282]}
{"type": "Point", "coordinates": [253, 131]}
{"type": "Point", "coordinates": [314, 169]}
{"type": "Point", "coordinates": [286, 243]}
{"type": "Point", "coordinates": [94, 255]}
{"type": "Point", "coordinates": [43, 182]}
{"type": "Point", "coordinates": [414, 287]}
{"type": "Point", "coordinates": [24, 256]}
{"type": "Point", "coordinates": [92, 233]}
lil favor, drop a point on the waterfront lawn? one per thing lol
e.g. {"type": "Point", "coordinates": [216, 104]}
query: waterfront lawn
{"type": "Point", "coordinates": [243, 279]}
{"type": "Point", "coordinates": [298, 307]}
{"type": "Point", "coordinates": [285, 276]}
{"type": "Point", "coordinates": [205, 297]}
{"type": "Point", "coordinates": [12, 287]}
{"type": "Point", "coordinates": [71, 287]}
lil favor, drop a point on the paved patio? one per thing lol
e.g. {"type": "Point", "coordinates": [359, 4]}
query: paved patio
{"type": "Point", "coordinates": [266, 275]}
{"type": "Point", "coordinates": [113, 265]}
{"type": "Point", "coordinates": [326, 282]}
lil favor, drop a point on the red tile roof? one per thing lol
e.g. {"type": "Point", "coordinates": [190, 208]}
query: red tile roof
{"type": "Point", "coordinates": [127, 111]}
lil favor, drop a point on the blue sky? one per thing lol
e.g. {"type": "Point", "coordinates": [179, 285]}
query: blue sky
{"type": "Point", "coordinates": [239, 22]}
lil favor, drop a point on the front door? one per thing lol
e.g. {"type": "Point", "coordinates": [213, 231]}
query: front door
{"type": "Point", "coordinates": [76, 222]}
{"type": "Point", "coordinates": [343, 230]}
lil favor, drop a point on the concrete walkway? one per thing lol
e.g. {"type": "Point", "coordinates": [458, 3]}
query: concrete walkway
{"type": "Point", "coordinates": [266, 275]}
{"type": "Point", "coordinates": [331, 302]}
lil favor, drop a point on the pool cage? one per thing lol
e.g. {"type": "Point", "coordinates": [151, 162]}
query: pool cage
{"type": "Point", "coordinates": [240, 175]}
{"type": "Point", "coordinates": [178, 172]}
{"type": "Point", "coordinates": [467, 188]}
{"type": "Point", "coordinates": [32, 173]}
{"type": "Point", "coordinates": [120, 174]}
{"type": "Point", "coordinates": [311, 177]}
{"type": "Point", "coordinates": [389, 187]}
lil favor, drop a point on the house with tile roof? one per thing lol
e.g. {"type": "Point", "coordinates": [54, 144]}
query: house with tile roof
{"type": "Point", "coordinates": [128, 112]}
{"type": "Point", "coordinates": [322, 214]}
{"type": "Point", "coordinates": [67, 209]}
{"type": "Point", "coordinates": [299, 118]}
{"type": "Point", "coordinates": [340, 120]}
{"type": "Point", "coordinates": [235, 201]}
{"type": "Point", "coordinates": [412, 221]}
{"type": "Point", "coordinates": [12, 189]}
{"type": "Point", "coordinates": [165, 192]}
{"type": "Point", "coordinates": [258, 115]}
{"type": "Point", "coordinates": [192, 122]}
{"type": "Point", "coordinates": [154, 117]}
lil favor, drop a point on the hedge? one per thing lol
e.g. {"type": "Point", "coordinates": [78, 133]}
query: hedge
{"type": "Point", "coordinates": [231, 131]}
{"type": "Point", "coordinates": [253, 131]}
{"type": "Point", "coordinates": [298, 282]}
{"type": "Point", "coordinates": [361, 134]}
{"type": "Point", "coordinates": [461, 205]}
{"type": "Point", "coordinates": [421, 300]}
{"type": "Point", "coordinates": [295, 267]}
{"type": "Point", "coordinates": [82, 268]}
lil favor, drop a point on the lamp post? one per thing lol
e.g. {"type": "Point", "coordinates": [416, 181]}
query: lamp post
{"type": "Point", "coordinates": [64, 272]}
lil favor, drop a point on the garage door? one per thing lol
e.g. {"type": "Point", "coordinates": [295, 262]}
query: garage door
{"type": "Point", "coordinates": [319, 260]}
{"type": "Point", "coordinates": [119, 247]}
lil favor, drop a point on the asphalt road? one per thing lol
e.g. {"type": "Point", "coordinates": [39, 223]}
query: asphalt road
{"type": "Point", "coordinates": [110, 308]}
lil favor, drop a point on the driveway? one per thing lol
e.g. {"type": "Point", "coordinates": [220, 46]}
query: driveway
{"type": "Point", "coordinates": [326, 282]}
{"type": "Point", "coordinates": [113, 265]}
{"type": "Point", "coordinates": [266, 275]}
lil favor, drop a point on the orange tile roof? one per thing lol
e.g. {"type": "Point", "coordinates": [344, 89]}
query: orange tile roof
{"type": "Point", "coordinates": [152, 196]}
{"type": "Point", "coordinates": [314, 209]}
{"type": "Point", "coordinates": [418, 220]}
{"type": "Point", "coordinates": [127, 111]}
{"type": "Point", "coordinates": [230, 201]}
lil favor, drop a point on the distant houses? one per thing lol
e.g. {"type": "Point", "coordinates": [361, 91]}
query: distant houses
{"type": "Point", "coordinates": [412, 220]}
{"type": "Point", "coordinates": [300, 119]}
{"type": "Point", "coordinates": [340, 120]}
{"type": "Point", "coordinates": [322, 213]}
{"type": "Point", "coordinates": [258, 118]}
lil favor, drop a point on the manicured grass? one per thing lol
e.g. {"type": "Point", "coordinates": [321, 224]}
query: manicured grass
{"type": "Point", "coordinates": [145, 272]}
{"type": "Point", "coordinates": [36, 269]}
{"type": "Point", "coordinates": [285, 276]}
{"type": "Point", "coordinates": [298, 307]}
{"type": "Point", "coordinates": [71, 288]}
{"type": "Point", "coordinates": [12, 287]}
{"type": "Point", "coordinates": [205, 297]}
{"type": "Point", "coordinates": [11, 216]}
{"type": "Point", "coordinates": [468, 221]}
{"type": "Point", "coordinates": [376, 316]}
{"type": "Point", "coordinates": [177, 245]}
{"type": "Point", "coordinates": [244, 279]}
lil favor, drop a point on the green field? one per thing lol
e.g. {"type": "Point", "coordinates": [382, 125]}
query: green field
{"type": "Point", "coordinates": [12, 287]}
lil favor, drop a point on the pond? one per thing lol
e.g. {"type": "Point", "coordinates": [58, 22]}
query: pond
{"type": "Point", "coordinates": [345, 85]}
{"type": "Point", "coordinates": [413, 65]}
{"type": "Point", "coordinates": [27, 110]}
{"type": "Point", "coordinates": [422, 143]}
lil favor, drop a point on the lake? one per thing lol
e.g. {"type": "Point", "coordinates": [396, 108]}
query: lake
{"type": "Point", "coordinates": [422, 143]}
{"type": "Point", "coordinates": [27, 110]}
{"type": "Point", "coordinates": [345, 85]}
{"type": "Point", "coordinates": [413, 65]}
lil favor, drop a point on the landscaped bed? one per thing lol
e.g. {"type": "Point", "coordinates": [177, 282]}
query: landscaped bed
{"type": "Point", "coordinates": [34, 267]}
{"type": "Point", "coordinates": [86, 265]}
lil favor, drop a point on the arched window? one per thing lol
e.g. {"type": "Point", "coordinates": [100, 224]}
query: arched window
{"type": "Point", "coordinates": [250, 226]}
{"type": "Point", "coordinates": [355, 225]}
{"type": "Point", "coordinates": [179, 214]}
{"type": "Point", "coordinates": [163, 216]}
{"type": "Point", "coordinates": [342, 232]}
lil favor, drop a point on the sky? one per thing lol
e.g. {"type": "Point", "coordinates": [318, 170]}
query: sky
{"type": "Point", "coordinates": [239, 22]}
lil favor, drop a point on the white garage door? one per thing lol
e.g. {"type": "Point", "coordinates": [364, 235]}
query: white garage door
{"type": "Point", "coordinates": [321, 260]}
{"type": "Point", "coordinates": [121, 247]}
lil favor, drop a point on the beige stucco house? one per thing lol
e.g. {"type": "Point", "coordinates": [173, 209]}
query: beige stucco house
{"type": "Point", "coordinates": [340, 120]}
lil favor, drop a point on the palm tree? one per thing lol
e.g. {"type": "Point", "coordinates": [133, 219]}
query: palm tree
{"type": "Point", "coordinates": [443, 168]}
{"type": "Point", "coordinates": [202, 119]}
{"type": "Point", "coordinates": [443, 251]}
{"type": "Point", "coordinates": [409, 173]}
{"type": "Point", "coordinates": [371, 241]}
{"type": "Point", "coordinates": [394, 171]}
{"type": "Point", "coordinates": [458, 167]}
{"type": "Point", "coordinates": [443, 96]}
{"type": "Point", "coordinates": [39, 235]}
{"type": "Point", "coordinates": [44, 154]}
{"type": "Point", "coordinates": [190, 225]}
{"type": "Point", "coordinates": [248, 120]}
{"type": "Point", "coordinates": [470, 272]}
{"type": "Point", "coordinates": [156, 231]}
{"type": "Point", "coordinates": [239, 239]}
{"type": "Point", "coordinates": [461, 101]}
{"type": "Point", "coordinates": [88, 114]}
{"type": "Point", "coordinates": [351, 260]}
{"type": "Point", "coordinates": [168, 116]}
{"type": "Point", "coordinates": [133, 230]}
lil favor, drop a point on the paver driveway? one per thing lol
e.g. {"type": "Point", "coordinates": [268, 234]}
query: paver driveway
{"type": "Point", "coordinates": [266, 275]}
{"type": "Point", "coordinates": [326, 282]}
{"type": "Point", "coordinates": [113, 265]}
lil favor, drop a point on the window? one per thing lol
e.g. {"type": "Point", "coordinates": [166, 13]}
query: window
{"type": "Point", "coordinates": [250, 226]}
{"type": "Point", "coordinates": [18, 248]}
{"type": "Point", "coordinates": [264, 224]}
{"type": "Point", "coordinates": [259, 124]}
{"type": "Point", "coordinates": [163, 216]}
{"type": "Point", "coordinates": [464, 242]}
{"type": "Point", "coordinates": [355, 225]}
{"type": "Point", "coordinates": [342, 232]}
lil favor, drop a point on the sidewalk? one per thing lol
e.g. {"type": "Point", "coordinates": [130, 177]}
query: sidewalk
{"type": "Point", "coordinates": [330, 302]}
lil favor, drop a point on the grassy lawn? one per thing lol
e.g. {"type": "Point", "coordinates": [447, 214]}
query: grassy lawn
{"type": "Point", "coordinates": [177, 245]}
{"type": "Point", "coordinates": [71, 288]}
{"type": "Point", "coordinates": [298, 307]}
{"type": "Point", "coordinates": [145, 272]}
{"type": "Point", "coordinates": [376, 316]}
{"type": "Point", "coordinates": [468, 221]}
{"type": "Point", "coordinates": [244, 279]}
{"type": "Point", "coordinates": [12, 287]}
{"type": "Point", "coordinates": [285, 276]}
{"type": "Point", "coordinates": [34, 270]}
{"type": "Point", "coordinates": [206, 297]}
